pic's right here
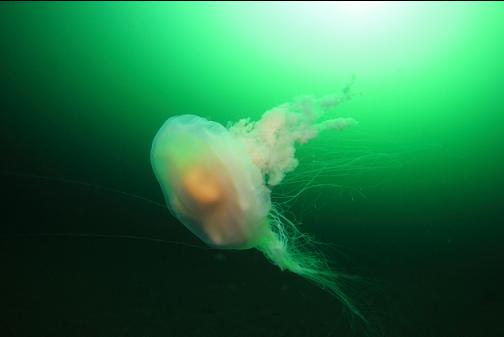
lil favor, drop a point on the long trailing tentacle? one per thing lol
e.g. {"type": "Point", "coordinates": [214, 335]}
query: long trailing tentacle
{"type": "Point", "coordinates": [288, 248]}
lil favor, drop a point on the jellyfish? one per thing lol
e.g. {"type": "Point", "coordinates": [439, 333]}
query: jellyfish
{"type": "Point", "coordinates": [217, 181]}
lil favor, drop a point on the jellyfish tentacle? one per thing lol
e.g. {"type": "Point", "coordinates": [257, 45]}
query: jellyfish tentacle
{"type": "Point", "coordinates": [291, 250]}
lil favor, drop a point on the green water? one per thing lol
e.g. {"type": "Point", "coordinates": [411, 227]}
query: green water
{"type": "Point", "coordinates": [411, 200]}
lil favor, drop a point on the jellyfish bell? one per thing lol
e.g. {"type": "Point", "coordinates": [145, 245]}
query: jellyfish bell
{"type": "Point", "coordinates": [209, 183]}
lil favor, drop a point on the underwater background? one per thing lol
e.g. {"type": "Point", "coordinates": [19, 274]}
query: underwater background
{"type": "Point", "coordinates": [409, 200]}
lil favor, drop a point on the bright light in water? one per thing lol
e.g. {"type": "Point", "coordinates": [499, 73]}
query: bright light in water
{"type": "Point", "coordinates": [357, 21]}
{"type": "Point", "coordinates": [364, 15]}
{"type": "Point", "coordinates": [360, 8]}
{"type": "Point", "coordinates": [359, 35]}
